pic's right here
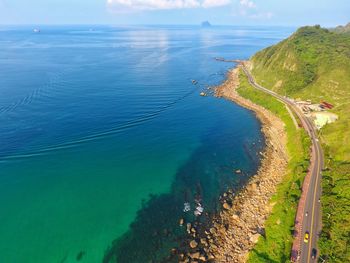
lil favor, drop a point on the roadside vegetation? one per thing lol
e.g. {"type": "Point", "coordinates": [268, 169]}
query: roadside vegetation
{"type": "Point", "coordinates": [314, 63]}
{"type": "Point", "coordinates": [276, 244]}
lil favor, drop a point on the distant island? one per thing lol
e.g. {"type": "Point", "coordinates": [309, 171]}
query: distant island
{"type": "Point", "coordinates": [206, 24]}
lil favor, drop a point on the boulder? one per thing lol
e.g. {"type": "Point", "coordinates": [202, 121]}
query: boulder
{"type": "Point", "coordinates": [204, 242]}
{"type": "Point", "coordinates": [195, 255]}
{"type": "Point", "coordinates": [193, 244]}
{"type": "Point", "coordinates": [254, 238]}
{"type": "Point", "coordinates": [235, 217]}
{"type": "Point", "coordinates": [253, 186]}
{"type": "Point", "coordinates": [226, 206]}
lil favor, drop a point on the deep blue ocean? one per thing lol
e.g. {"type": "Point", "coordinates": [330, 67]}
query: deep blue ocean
{"type": "Point", "coordinates": [104, 136]}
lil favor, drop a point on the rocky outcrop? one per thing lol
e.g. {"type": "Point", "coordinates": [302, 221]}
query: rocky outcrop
{"type": "Point", "coordinates": [238, 227]}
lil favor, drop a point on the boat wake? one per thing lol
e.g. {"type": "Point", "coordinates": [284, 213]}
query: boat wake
{"type": "Point", "coordinates": [98, 135]}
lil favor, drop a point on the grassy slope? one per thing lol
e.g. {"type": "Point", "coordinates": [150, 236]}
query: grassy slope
{"type": "Point", "coordinates": [275, 245]}
{"type": "Point", "coordinates": [315, 64]}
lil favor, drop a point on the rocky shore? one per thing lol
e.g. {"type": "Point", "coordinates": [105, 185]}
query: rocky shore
{"type": "Point", "coordinates": [237, 228]}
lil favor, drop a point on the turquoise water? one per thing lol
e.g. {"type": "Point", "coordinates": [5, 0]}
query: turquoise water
{"type": "Point", "coordinates": [104, 137]}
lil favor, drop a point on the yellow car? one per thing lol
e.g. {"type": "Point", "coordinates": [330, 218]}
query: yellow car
{"type": "Point", "coordinates": [306, 237]}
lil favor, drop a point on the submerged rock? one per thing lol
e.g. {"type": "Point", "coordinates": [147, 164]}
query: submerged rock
{"type": "Point", "coordinates": [80, 255]}
{"type": "Point", "coordinates": [181, 221]}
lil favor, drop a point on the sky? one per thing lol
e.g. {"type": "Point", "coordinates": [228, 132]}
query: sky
{"type": "Point", "coordinates": [175, 12]}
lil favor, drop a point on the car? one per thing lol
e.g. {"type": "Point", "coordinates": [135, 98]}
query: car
{"type": "Point", "coordinates": [306, 237]}
{"type": "Point", "coordinates": [314, 253]}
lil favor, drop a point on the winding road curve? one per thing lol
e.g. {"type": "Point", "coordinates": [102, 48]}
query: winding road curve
{"type": "Point", "coordinates": [308, 217]}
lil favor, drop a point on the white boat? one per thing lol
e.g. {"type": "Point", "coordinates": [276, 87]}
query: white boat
{"type": "Point", "coordinates": [199, 210]}
{"type": "Point", "coordinates": [36, 30]}
{"type": "Point", "coordinates": [187, 207]}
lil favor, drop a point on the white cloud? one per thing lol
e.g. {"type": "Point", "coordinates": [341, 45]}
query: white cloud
{"type": "Point", "coordinates": [244, 8]}
{"type": "Point", "coordinates": [247, 4]}
{"type": "Point", "coordinates": [140, 5]}
{"type": "Point", "coordinates": [153, 4]}
{"type": "Point", "coordinates": [249, 9]}
{"type": "Point", "coordinates": [215, 3]}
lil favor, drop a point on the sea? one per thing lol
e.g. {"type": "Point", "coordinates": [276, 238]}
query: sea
{"type": "Point", "coordinates": [104, 137]}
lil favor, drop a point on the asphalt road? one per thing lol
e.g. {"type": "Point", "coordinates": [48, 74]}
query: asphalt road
{"type": "Point", "coordinates": [312, 212]}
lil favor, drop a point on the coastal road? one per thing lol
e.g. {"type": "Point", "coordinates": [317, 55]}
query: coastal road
{"type": "Point", "coordinates": [311, 215]}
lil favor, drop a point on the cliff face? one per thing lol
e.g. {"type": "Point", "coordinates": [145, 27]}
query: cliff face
{"type": "Point", "coordinates": [314, 63]}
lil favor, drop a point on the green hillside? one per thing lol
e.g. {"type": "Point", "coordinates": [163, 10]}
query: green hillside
{"type": "Point", "coordinates": [314, 63]}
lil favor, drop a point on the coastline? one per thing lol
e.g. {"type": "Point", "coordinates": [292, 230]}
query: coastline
{"type": "Point", "coordinates": [237, 228]}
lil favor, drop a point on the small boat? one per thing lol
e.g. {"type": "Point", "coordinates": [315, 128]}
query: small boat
{"type": "Point", "coordinates": [36, 30]}
{"type": "Point", "coordinates": [187, 207]}
{"type": "Point", "coordinates": [199, 210]}
{"type": "Point", "coordinates": [194, 82]}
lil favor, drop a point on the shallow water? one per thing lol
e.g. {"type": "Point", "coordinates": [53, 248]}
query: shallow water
{"type": "Point", "coordinates": [102, 127]}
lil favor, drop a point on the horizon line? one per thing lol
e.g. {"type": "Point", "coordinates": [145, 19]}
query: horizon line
{"type": "Point", "coordinates": [153, 24]}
